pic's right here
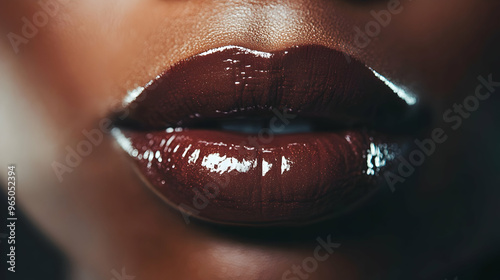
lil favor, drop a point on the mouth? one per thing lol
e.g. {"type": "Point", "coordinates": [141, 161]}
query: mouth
{"type": "Point", "coordinates": [237, 136]}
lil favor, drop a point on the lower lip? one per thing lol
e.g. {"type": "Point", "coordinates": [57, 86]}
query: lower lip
{"type": "Point", "coordinates": [237, 178]}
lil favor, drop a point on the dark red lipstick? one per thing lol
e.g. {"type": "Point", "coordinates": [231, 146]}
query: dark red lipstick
{"type": "Point", "coordinates": [239, 136]}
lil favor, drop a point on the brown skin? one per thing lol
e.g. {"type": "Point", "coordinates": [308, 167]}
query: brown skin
{"type": "Point", "coordinates": [79, 66]}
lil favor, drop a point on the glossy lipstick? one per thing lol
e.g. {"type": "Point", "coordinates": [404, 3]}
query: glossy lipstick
{"type": "Point", "coordinates": [245, 137]}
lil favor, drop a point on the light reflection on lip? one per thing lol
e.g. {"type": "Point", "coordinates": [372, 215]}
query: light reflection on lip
{"type": "Point", "coordinates": [403, 93]}
{"type": "Point", "coordinates": [235, 172]}
{"type": "Point", "coordinates": [246, 178]}
{"type": "Point", "coordinates": [214, 162]}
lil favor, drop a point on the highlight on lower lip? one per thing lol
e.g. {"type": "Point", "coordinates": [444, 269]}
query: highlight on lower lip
{"type": "Point", "coordinates": [231, 135]}
{"type": "Point", "coordinates": [221, 177]}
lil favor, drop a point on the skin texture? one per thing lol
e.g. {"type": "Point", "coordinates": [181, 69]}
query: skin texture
{"type": "Point", "coordinates": [77, 69]}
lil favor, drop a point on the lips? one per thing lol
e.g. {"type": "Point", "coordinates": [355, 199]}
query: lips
{"type": "Point", "coordinates": [238, 136]}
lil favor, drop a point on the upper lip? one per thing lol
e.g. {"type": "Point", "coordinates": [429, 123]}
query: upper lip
{"type": "Point", "coordinates": [315, 83]}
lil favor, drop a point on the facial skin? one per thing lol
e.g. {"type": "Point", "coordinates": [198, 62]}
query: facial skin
{"type": "Point", "coordinates": [76, 70]}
